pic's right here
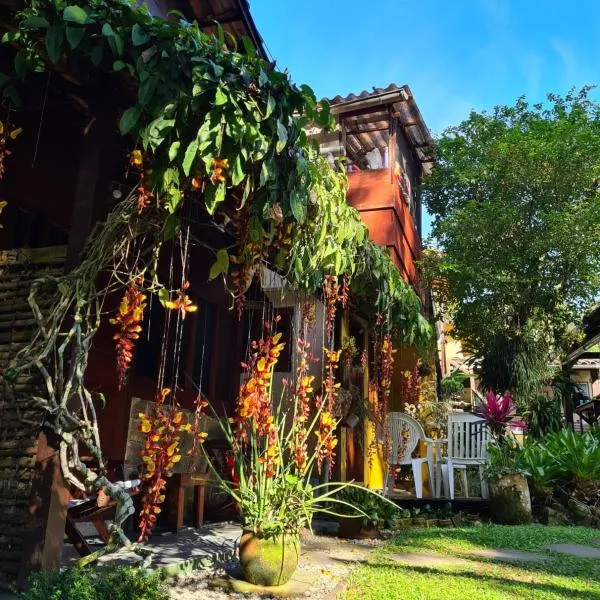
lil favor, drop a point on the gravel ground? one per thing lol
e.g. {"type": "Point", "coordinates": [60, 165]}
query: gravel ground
{"type": "Point", "coordinates": [325, 562]}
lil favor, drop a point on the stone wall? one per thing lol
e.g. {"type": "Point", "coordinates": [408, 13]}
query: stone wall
{"type": "Point", "coordinates": [20, 420]}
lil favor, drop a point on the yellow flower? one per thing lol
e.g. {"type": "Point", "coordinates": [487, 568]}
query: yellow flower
{"type": "Point", "coordinates": [136, 159]}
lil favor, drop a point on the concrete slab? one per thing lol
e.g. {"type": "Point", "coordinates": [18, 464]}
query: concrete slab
{"type": "Point", "coordinates": [507, 555]}
{"type": "Point", "coordinates": [180, 552]}
{"type": "Point", "coordinates": [297, 586]}
{"type": "Point", "coordinates": [7, 596]}
{"type": "Point", "coordinates": [578, 550]}
{"type": "Point", "coordinates": [431, 561]}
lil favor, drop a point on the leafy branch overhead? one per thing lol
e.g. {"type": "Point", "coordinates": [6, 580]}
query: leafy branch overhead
{"type": "Point", "coordinates": [516, 209]}
{"type": "Point", "coordinates": [225, 129]}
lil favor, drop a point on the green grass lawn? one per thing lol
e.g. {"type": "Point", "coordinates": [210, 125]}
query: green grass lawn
{"type": "Point", "coordinates": [557, 576]}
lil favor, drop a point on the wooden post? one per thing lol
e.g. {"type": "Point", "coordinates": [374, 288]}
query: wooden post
{"type": "Point", "coordinates": [47, 512]}
{"type": "Point", "coordinates": [96, 154]}
{"type": "Point", "coordinates": [392, 144]}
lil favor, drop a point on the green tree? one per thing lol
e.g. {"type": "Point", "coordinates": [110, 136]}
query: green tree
{"type": "Point", "coordinates": [516, 207]}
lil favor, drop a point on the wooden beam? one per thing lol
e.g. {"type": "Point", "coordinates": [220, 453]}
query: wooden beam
{"type": "Point", "coordinates": [369, 130]}
{"type": "Point", "coordinates": [392, 147]}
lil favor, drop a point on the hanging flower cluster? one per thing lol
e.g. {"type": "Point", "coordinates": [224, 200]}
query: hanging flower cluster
{"type": "Point", "coordinates": [159, 455]}
{"type": "Point", "coordinates": [326, 440]}
{"type": "Point", "coordinates": [137, 163]}
{"type": "Point", "coordinates": [385, 386]}
{"type": "Point", "coordinates": [327, 422]}
{"type": "Point", "coordinates": [303, 392]}
{"type": "Point", "coordinates": [331, 292]}
{"type": "Point", "coordinates": [129, 322]}
{"type": "Point", "coordinates": [254, 408]}
{"type": "Point", "coordinates": [410, 388]}
{"type": "Point", "coordinates": [199, 436]}
{"type": "Point", "coordinates": [252, 247]}
{"type": "Point", "coordinates": [7, 133]}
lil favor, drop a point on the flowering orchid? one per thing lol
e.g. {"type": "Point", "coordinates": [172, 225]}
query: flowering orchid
{"type": "Point", "coordinates": [498, 410]}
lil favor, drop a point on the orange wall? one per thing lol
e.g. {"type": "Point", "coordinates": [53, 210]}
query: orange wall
{"type": "Point", "coordinates": [376, 195]}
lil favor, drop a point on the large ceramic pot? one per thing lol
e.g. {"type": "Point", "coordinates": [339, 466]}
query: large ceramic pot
{"type": "Point", "coordinates": [268, 561]}
{"type": "Point", "coordinates": [510, 502]}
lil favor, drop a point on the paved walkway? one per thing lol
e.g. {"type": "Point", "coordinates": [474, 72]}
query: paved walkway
{"type": "Point", "coordinates": [578, 550]}
{"type": "Point", "coordinates": [183, 551]}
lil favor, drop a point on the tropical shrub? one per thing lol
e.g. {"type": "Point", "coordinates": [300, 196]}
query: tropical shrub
{"type": "Point", "coordinates": [505, 458]}
{"type": "Point", "coordinates": [543, 415]}
{"type": "Point", "coordinates": [116, 583]}
{"type": "Point", "coordinates": [375, 510]}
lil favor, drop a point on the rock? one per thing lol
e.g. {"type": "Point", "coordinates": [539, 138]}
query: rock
{"type": "Point", "coordinates": [551, 516]}
{"type": "Point", "coordinates": [580, 512]}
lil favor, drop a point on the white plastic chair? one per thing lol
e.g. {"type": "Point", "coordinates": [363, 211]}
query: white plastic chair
{"type": "Point", "coordinates": [401, 450]}
{"type": "Point", "coordinates": [468, 439]}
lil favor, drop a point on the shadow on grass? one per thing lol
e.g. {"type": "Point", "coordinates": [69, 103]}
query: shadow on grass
{"type": "Point", "coordinates": [494, 581]}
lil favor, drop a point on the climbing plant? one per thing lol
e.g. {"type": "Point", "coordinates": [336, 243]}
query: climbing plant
{"type": "Point", "coordinates": [208, 127]}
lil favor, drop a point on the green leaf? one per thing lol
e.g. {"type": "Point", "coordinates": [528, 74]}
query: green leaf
{"type": "Point", "coordinates": [220, 97]}
{"type": "Point", "coordinates": [213, 196]}
{"type": "Point", "coordinates": [21, 67]}
{"type": "Point", "coordinates": [35, 23]}
{"type": "Point", "coordinates": [10, 93]}
{"type": "Point", "coordinates": [96, 55]}
{"type": "Point", "coordinates": [116, 43]}
{"type": "Point", "coordinates": [146, 90]}
{"type": "Point", "coordinates": [298, 207]}
{"type": "Point", "coordinates": [174, 150]}
{"type": "Point", "coordinates": [237, 173]}
{"type": "Point", "coordinates": [129, 119]}
{"type": "Point", "coordinates": [11, 36]}
{"type": "Point", "coordinates": [220, 266]}
{"type": "Point", "coordinates": [282, 136]}
{"type": "Point", "coordinates": [170, 230]}
{"type": "Point", "coordinates": [118, 65]}
{"type": "Point", "coordinates": [54, 40]}
{"type": "Point", "coordinates": [75, 14]}
{"type": "Point", "coordinates": [190, 156]}
{"type": "Point", "coordinates": [138, 35]}
{"type": "Point", "coordinates": [107, 30]}
{"type": "Point", "coordinates": [163, 293]}
{"type": "Point", "coordinates": [270, 106]}
{"type": "Point", "coordinates": [75, 35]}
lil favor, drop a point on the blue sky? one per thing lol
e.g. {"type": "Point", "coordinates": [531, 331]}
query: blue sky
{"type": "Point", "coordinates": [455, 55]}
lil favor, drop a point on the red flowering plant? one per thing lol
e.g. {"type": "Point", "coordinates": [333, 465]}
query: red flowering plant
{"type": "Point", "coordinates": [504, 453]}
{"type": "Point", "coordinates": [272, 457]}
{"type": "Point", "coordinates": [498, 410]}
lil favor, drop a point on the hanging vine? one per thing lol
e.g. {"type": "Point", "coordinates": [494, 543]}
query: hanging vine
{"type": "Point", "coordinates": [208, 127]}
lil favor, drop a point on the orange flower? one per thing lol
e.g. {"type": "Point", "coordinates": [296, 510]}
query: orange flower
{"type": "Point", "coordinates": [160, 453]}
{"type": "Point", "coordinates": [128, 320]}
{"type": "Point", "coordinates": [182, 302]}
{"type": "Point", "coordinates": [218, 166]}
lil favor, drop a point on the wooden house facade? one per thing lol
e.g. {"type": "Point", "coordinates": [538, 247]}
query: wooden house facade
{"type": "Point", "coordinates": [65, 175]}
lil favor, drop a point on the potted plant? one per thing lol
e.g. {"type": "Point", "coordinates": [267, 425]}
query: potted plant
{"type": "Point", "coordinates": [510, 502]}
{"type": "Point", "coordinates": [376, 513]}
{"type": "Point", "coordinates": [271, 465]}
